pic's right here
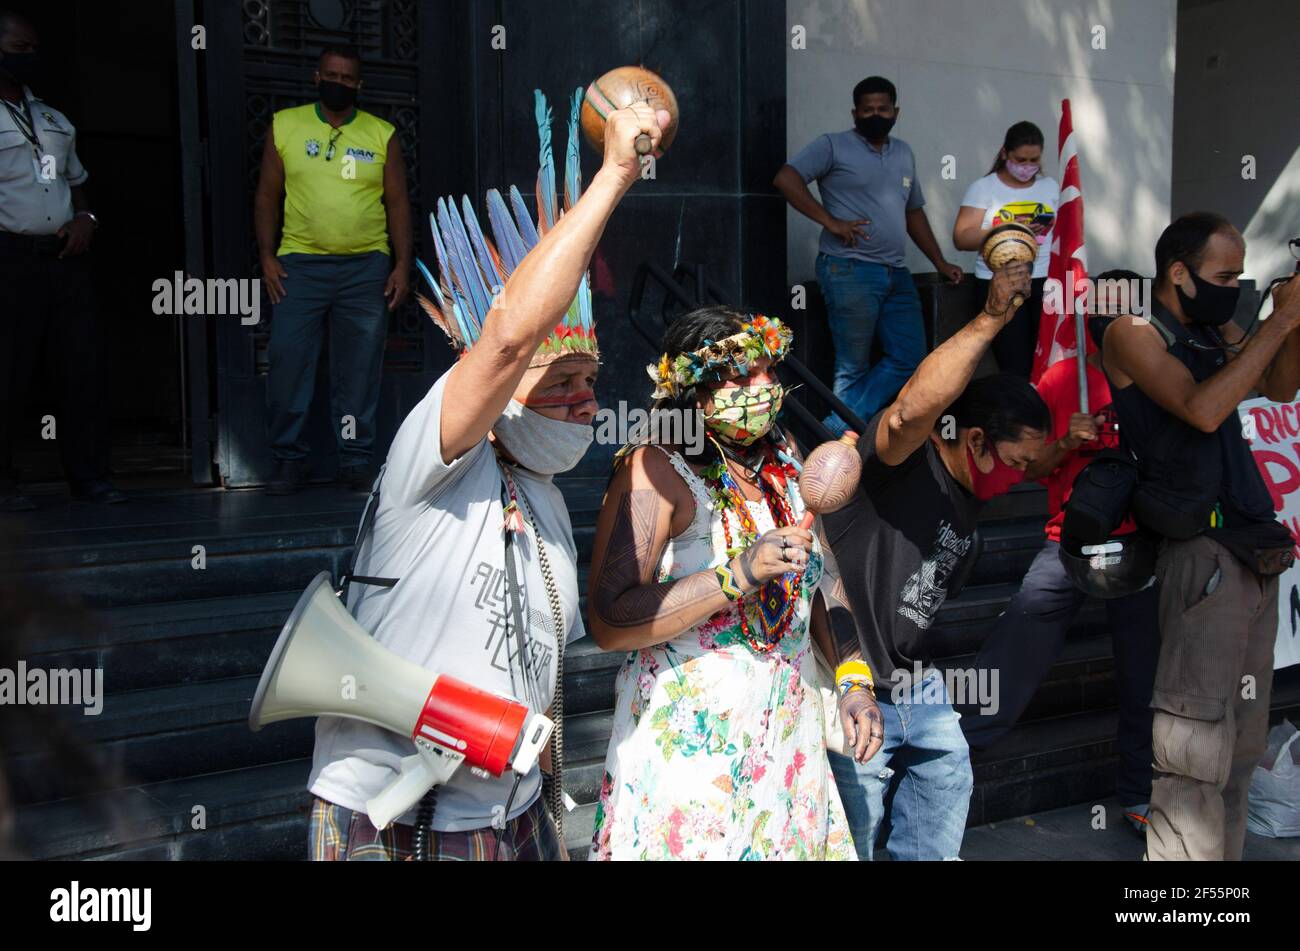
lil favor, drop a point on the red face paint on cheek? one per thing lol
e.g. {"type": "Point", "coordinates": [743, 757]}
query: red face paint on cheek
{"type": "Point", "coordinates": [576, 399]}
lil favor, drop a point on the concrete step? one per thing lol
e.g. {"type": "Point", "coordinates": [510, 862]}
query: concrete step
{"type": "Point", "coordinates": [177, 704]}
{"type": "Point", "coordinates": [258, 813]}
{"type": "Point", "coordinates": [231, 569]}
{"type": "Point", "coordinates": [1026, 500]}
{"type": "Point", "coordinates": [179, 642]}
{"type": "Point", "coordinates": [157, 734]}
{"type": "Point", "coordinates": [166, 732]}
{"type": "Point", "coordinates": [1008, 547]}
{"type": "Point", "coordinates": [143, 553]}
{"type": "Point", "coordinates": [172, 642]}
{"type": "Point", "coordinates": [261, 812]}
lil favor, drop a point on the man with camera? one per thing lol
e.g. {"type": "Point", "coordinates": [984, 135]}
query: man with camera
{"type": "Point", "coordinates": [1177, 379]}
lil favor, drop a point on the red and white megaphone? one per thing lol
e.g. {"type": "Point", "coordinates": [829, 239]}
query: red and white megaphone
{"type": "Point", "coordinates": [325, 664]}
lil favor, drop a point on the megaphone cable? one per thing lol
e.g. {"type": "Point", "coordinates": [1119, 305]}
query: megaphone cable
{"type": "Point", "coordinates": [422, 837]}
{"type": "Point", "coordinates": [505, 817]}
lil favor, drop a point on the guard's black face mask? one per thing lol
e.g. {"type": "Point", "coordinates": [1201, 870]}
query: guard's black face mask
{"type": "Point", "coordinates": [874, 128]}
{"type": "Point", "coordinates": [1213, 304]}
{"type": "Point", "coordinates": [23, 68]}
{"type": "Point", "coordinates": [337, 97]}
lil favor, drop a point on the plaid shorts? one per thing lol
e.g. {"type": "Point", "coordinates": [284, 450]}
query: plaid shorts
{"type": "Point", "coordinates": [338, 834]}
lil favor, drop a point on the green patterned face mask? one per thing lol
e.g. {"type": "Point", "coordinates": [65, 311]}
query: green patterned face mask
{"type": "Point", "coordinates": [744, 414]}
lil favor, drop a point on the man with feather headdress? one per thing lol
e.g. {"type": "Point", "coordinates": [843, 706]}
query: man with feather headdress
{"type": "Point", "coordinates": [468, 518]}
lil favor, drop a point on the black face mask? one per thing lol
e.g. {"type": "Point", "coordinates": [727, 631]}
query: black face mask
{"type": "Point", "coordinates": [1213, 304]}
{"type": "Point", "coordinates": [874, 128]}
{"type": "Point", "coordinates": [337, 97]}
{"type": "Point", "coordinates": [23, 68]}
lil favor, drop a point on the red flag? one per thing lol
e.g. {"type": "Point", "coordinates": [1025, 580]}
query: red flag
{"type": "Point", "coordinates": [1069, 262]}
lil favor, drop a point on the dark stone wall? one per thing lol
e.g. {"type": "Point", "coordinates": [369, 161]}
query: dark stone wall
{"type": "Point", "coordinates": [711, 200]}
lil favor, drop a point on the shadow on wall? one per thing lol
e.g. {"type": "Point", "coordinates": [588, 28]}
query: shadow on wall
{"type": "Point", "coordinates": [1236, 63]}
{"type": "Point", "coordinates": [965, 72]}
{"type": "Point", "coordinates": [1275, 223]}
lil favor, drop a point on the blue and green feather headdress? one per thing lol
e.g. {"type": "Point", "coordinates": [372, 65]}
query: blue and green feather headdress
{"type": "Point", "coordinates": [472, 270]}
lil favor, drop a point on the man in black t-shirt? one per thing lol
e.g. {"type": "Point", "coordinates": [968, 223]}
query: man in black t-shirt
{"type": "Point", "coordinates": [902, 543]}
{"type": "Point", "coordinates": [1182, 373]}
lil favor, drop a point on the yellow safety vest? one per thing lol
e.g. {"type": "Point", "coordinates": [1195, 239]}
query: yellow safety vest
{"type": "Point", "coordinates": [333, 197]}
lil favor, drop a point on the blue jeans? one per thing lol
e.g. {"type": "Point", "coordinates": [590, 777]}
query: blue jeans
{"type": "Point", "coordinates": [924, 743]}
{"type": "Point", "coordinates": [864, 299]}
{"type": "Point", "coordinates": [349, 289]}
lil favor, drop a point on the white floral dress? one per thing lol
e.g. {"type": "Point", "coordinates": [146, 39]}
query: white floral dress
{"type": "Point", "coordinates": [718, 751]}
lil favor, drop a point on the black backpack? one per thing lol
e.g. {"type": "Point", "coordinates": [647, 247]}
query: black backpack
{"type": "Point", "coordinates": [1100, 497]}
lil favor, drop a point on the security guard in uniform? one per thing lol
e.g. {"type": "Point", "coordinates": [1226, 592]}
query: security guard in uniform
{"type": "Point", "coordinates": [46, 229]}
{"type": "Point", "coordinates": [337, 174]}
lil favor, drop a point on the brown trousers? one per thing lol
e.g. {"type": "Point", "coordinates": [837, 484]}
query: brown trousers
{"type": "Point", "coordinates": [1211, 699]}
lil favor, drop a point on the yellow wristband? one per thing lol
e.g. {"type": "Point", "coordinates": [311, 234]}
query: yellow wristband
{"type": "Point", "coordinates": [853, 669]}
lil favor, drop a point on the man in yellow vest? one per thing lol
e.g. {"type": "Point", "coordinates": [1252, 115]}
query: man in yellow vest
{"type": "Point", "coordinates": [338, 175]}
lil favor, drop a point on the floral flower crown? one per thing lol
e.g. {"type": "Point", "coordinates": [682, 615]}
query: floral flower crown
{"type": "Point", "coordinates": [760, 336]}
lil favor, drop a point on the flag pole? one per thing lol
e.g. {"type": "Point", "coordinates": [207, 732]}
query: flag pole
{"type": "Point", "coordinates": [1081, 358]}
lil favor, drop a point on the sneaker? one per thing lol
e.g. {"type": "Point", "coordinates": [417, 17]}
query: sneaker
{"type": "Point", "coordinates": [98, 491]}
{"type": "Point", "coordinates": [358, 478]}
{"type": "Point", "coordinates": [1136, 817]}
{"type": "Point", "coordinates": [289, 476]}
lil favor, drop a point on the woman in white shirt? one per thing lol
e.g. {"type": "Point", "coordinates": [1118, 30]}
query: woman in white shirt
{"type": "Point", "coordinates": [1014, 190]}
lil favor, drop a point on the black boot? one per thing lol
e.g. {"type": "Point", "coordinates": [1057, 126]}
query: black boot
{"type": "Point", "coordinates": [357, 478]}
{"type": "Point", "coordinates": [289, 476]}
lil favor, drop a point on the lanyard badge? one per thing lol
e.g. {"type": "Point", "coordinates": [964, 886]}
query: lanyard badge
{"type": "Point", "coordinates": [41, 160]}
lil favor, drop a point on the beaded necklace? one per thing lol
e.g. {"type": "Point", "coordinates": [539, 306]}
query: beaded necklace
{"type": "Point", "coordinates": [774, 603]}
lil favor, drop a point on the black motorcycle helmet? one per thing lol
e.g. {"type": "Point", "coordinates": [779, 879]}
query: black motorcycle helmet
{"type": "Point", "coordinates": [1118, 566]}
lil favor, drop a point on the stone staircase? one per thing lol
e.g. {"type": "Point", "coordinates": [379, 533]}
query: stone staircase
{"type": "Point", "coordinates": [182, 649]}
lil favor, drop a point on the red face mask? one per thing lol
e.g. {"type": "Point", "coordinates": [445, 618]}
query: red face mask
{"type": "Point", "coordinates": [986, 485]}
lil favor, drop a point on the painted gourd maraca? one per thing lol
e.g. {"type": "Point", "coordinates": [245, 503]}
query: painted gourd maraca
{"type": "Point", "coordinates": [1006, 245]}
{"type": "Point", "coordinates": [830, 476]}
{"type": "Point", "coordinates": [618, 89]}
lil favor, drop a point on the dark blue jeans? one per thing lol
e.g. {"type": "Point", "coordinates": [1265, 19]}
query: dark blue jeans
{"type": "Point", "coordinates": [923, 742]}
{"type": "Point", "coordinates": [349, 290]}
{"type": "Point", "coordinates": [1027, 639]}
{"type": "Point", "coordinates": [863, 300]}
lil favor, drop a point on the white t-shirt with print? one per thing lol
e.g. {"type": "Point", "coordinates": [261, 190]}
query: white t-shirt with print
{"type": "Point", "coordinates": [991, 194]}
{"type": "Point", "coordinates": [438, 529]}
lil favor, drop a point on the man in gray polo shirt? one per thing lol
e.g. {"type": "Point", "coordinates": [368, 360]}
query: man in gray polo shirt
{"type": "Point", "coordinates": [871, 203]}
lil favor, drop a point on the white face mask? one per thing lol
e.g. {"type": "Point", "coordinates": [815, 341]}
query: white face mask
{"type": "Point", "coordinates": [544, 445]}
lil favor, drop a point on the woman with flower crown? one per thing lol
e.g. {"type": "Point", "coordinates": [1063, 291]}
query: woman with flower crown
{"type": "Point", "coordinates": [701, 572]}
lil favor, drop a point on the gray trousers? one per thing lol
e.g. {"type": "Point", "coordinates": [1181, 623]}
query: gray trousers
{"type": "Point", "coordinates": [349, 290]}
{"type": "Point", "coordinates": [1211, 699]}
